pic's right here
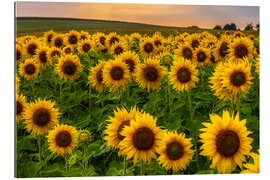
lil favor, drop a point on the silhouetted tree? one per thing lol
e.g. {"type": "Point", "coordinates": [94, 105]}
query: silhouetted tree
{"type": "Point", "coordinates": [231, 26]}
{"type": "Point", "coordinates": [249, 27]}
{"type": "Point", "coordinates": [217, 27]}
{"type": "Point", "coordinates": [258, 27]}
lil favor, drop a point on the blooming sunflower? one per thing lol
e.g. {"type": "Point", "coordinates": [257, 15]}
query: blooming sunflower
{"type": "Point", "coordinates": [96, 76]}
{"type": "Point", "coordinates": [21, 106]}
{"type": "Point", "coordinates": [202, 56]}
{"type": "Point", "coordinates": [175, 151]}
{"type": "Point", "coordinates": [142, 138]}
{"type": "Point", "coordinates": [147, 47]}
{"type": "Point", "coordinates": [255, 167]}
{"type": "Point", "coordinates": [58, 40]}
{"type": "Point", "coordinates": [131, 59]}
{"type": "Point", "coordinates": [159, 41]}
{"type": "Point", "coordinates": [100, 39]}
{"type": "Point", "coordinates": [62, 139]}
{"type": "Point", "coordinates": [193, 40]}
{"type": "Point", "coordinates": [225, 141]}
{"type": "Point", "coordinates": [222, 48]}
{"type": "Point", "coordinates": [29, 69]}
{"type": "Point", "coordinates": [68, 49]}
{"type": "Point", "coordinates": [185, 51]}
{"type": "Point", "coordinates": [41, 116]}
{"type": "Point", "coordinates": [115, 74]}
{"type": "Point", "coordinates": [183, 75]}
{"type": "Point", "coordinates": [149, 74]}
{"type": "Point", "coordinates": [116, 124]}
{"type": "Point", "coordinates": [19, 54]}
{"type": "Point", "coordinates": [118, 48]}
{"type": "Point", "coordinates": [42, 56]}
{"type": "Point", "coordinates": [31, 46]}
{"type": "Point", "coordinates": [85, 45]}
{"type": "Point", "coordinates": [49, 36]}
{"type": "Point", "coordinates": [72, 38]}
{"type": "Point", "coordinates": [68, 67]}
{"type": "Point", "coordinates": [111, 39]}
{"type": "Point", "coordinates": [240, 48]}
{"type": "Point", "coordinates": [54, 53]}
{"type": "Point", "coordinates": [84, 35]}
{"type": "Point", "coordinates": [135, 37]}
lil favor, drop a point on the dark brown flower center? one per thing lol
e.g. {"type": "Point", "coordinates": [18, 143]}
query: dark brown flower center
{"type": "Point", "coordinates": [223, 49]}
{"type": "Point", "coordinates": [18, 54]}
{"type": "Point", "coordinates": [174, 150]}
{"type": "Point", "coordinates": [67, 50]}
{"type": "Point", "coordinates": [195, 43]}
{"type": "Point", "coordinates": [19, 108]}
{"type": "Point", "coordinates": [157, 43]}
{"type": "Point", "coordinates": [113, 40]}
{"type": "Point", "coordinates": [55, 53]}
{"type": "Point", "coordinates": [58, 42]}
{"type": "Point", "coordinates": [121, 127]}
{"type": "Point", "coordinates": [117, 73]}
{"type": "Point", "coordinates": [31, 49]}
{"type": "Point", "coordinates": [148, 48]}
{"type": "Point", "coordinates": [43, 57]}
{"type": "Point", "coordinates": [210, 44]}
{"type": "Point", "coordinates": [41, 117]}
{"type": "Point", "coordinates": [201, 56]}
{"type": "Point", "coordinates": [241, 51]}
{"type": "Point", "coordinates": [49, 37]}
{"type": "Point", "coordinates": [118, 50]}
{"type": "Point", "coordinates": [69, 68]}
{"type": "Point", "coordinates": [72, 39]}
{"type": "Point", "coordinates": [187, 53]}
{"type": "Point", "coordinates": [143, 138]}
{"type": "Point", "coordinates": [86, 47]}
{"type": "Point", "coordinates": [151, 73]}
{"type": "Point", "coordinates": [227, 143]}
{"type": "Point", "coordinates": [100, 76]}
{"type": "Point", "coordinates": [105, 50]}
{"type": "Point", "coordinates": [183, 75]}
{"type": "Point", "coordinates": [213, 59]}
{"type": "Point", "coordinates": [131, 65]}
{"type": "Point", "coordinates": [30, 69]}
{"type": "Point", "coordinates": [238, 78]}
{"type": "Point", "coordinates": [63, 139]}
{"type": "Point", "coordinates": [83, 36]}
{"type": "Point", "coordinates": [102, 40]}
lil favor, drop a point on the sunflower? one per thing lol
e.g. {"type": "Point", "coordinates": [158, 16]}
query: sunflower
{"type": "Point", "coordinates": [115, 74]}
{"type": "Point", "coordinates": [62, 139]}
{"type": "Point", "coordinates": [237, 77]}
{"type": "Point", "coordinates": [84, 136]}
{"type": "Point", "coordinates": [166, 58]}
{"type": "Point", "coordinates": [213, 59]}
{"type": "Point", "coordinates": [118, 48]}
{"type": "Point", "coordinates": [240, 48]}
{"type": "Point", "coordinates": [68, 49]}
{"type": "Point", "coordinates": [29, 69]}
{"type": "Point", "coordinates": [209, 42]}
{"type": "Point", "coordinates": [193, 40]}
{"type": "Point", "coordinates": [159, 41]}
{"type": "Point", "coordinates": [255, 167]}
{"type": "Point", "coordinates": [149, 74]}
{"type": "Point", "coordinates": [147, 47]}
{"type": "Point", "coordinates": [131, 59]}
{"type": "Point", "coordinates": [222, 48]}
{"type": "Point", "coordinates": [142, 138]}
{"type": "Point", "coordinates": [84, 35]}
{"type": "Point", "coordinates": [85, 45]}
{"type": "Point", "coordinates": [225, 141]}
{"type": "Point", "coordinates": [31, 46]}
{"type": "Point", "coordinates": [68, 67]}
{"type": "Point", "coordinates": [58, 40]}
{"type": "Point", "coordinates": [96, 76]}
{"type": "Point", "coordinates": [54, 53]}
{"type": "Point", "coordinates": [185, 51]}
{"type": "Point", "coordinates": [238, 34]}
{"type": "Point", "coordinates": [116, 124]}
{"type": "Point", "coordinates": [183, 75]}
{"type": "Point", "coordinates": [72, 38]}
{"type": "Point", "coordinates": [42, 56]}
{"type": "Point", "coordinates": [41, 116]}
{"type": "Point", "coordinates": [21, 106]}
{"type": "Point", "coordinates": [49, 36]}
{"type": "Point", "coordinates": [100, 39]}
{"type": "Point", "coordinates": [19, 54]}
{"type": "Point", "coordinates": [111, 39]}
{"type": "Point", "coordinates": [175, 151]}
{"type": "Point", "coordinates": [135, 37]}
{"type": "Point", "coordinates": [202, 56]}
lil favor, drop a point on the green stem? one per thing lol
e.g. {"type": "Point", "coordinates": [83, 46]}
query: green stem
{"type": "Point", "coordinates": [39, 152]}
{"type": "Point", "coordinates": [141, 170]}
{"type": "Point", "coordinates": [197, 152]}
{"type": "Point", "coordinates": [190, 106]}
{"type": "Point", "coordinates": [125, 165]}
{"type": "Point", "coordinates": [32, 90]}
{"type": "Point", "coordinates": [60, 92]}
{"type": "Point", "coordinates": [66, 162]}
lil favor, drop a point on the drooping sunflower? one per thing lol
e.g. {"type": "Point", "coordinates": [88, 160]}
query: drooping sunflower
{"type": "Point", "coordinates": [118, 48]}
{"type": "Point", "coordinates": [58, 40]}
{"type": "Point", "coordinates": [111, 39]}
{"type": "Point", "coordinates": [85, 45]}
{"type": "Point", "coordinates": [116, 74]}
{"type": "Point", "coordinates": [131, 59]}
{"type": "Point", "coordinates": [69, 67]}
{"type": "Point", "coordinates": [201, 56]}
{"type": "Point", "coordinates": [175, 151]}
{"type": "Point", "coordinates": [237, 77]}
{"type": "Point", "coordinates": [142, 138]}
{"type": "Point", "coordinates": [96, 76]}
{"type": "Point", "coordinates": [185, 51]}
{"type": "Point", "coordinates": [54, 53]}
{"type": "Point", "coordinates": [41, 116]}
{"type": "Point", "coordinates": [72, 38]}
{"type": "Point", "coordinates": [147, 47]}
{"type": "Point", "coordinates": [49, 36]}
{"type": "Point", "coordinates": [42, 56]}
{"type": "Point", "coordinates": [19, 54]}
{"type": "Point", "coordinates": [68, 49]}
{"type": "Point", "coordinates": [183, 75]}
{"type": "Point", "coordinates": [253, 167]}
{"type": "Point", "coordinates": [225, 141]}
{"type": "Point", "coordinates": [62, 139]}
{"type": "Point", "coordinates": [21, 106]}
{"type": "Point", "coordinates": [31, 46]}
{"type": "Point", "coordinates": [149, 74]}
{"type": "Point", "coordinates": [240, 48]}
{"type": "Point", "coordinates": [116, 124]}
{"type": "Point", "coordinates": [29, 69]}
{"type": "Point", "coordinates": [222, 48]}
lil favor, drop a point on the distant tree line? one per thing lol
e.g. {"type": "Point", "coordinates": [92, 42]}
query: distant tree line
{"type": "Point", "coordinates": [232, 26]}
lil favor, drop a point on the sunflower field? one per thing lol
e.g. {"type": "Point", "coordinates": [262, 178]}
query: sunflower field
{"type": "Point", "coordinates": [96, 104]}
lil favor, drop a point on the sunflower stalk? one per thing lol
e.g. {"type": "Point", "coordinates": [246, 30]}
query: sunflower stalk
{"type": "Point", "coordinates": [142, 168]}
{"type": "Point", "coordinates": [39, 153]}
{"type": "Point", "coordinates": [125, 165]}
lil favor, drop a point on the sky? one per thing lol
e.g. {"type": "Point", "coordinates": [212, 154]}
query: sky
{"type": "Point", "coordinates": [168, 15]}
